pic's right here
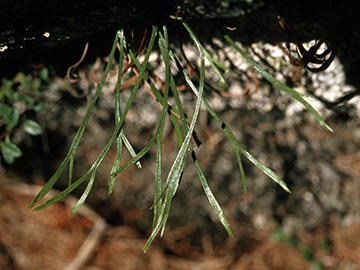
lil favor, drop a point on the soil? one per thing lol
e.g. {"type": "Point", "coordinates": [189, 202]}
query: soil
{"type": "Point", "coordinates": [315, 226]}
{"type": "Point", "coordinates": [51, 239]}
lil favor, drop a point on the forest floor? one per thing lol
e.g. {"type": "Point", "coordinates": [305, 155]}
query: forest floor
{"type": "Point", "coordinates": [315, 227]}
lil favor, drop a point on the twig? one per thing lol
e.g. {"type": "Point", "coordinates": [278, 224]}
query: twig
{"type": "Point", "coordinates": [70, 75]}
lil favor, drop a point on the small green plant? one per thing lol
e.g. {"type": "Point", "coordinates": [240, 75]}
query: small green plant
{"type": "Point", "coordinates": [308, 253]}
{"type": "Point", "coordinates": [17, 97]}
{"type": "Point", "coordinates": [182, 123]}
{"type": "Point", "coordinates": [280, 236]}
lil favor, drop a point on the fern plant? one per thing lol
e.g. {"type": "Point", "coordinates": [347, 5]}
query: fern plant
{"type": "Point", "coordinates": [182, 123]}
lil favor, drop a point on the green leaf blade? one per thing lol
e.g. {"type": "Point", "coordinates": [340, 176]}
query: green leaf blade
{"type": "Point", "coordinates": [33, 128]}
{"type": "Point", "coordinates": [280, 85]}
{"type": "Point", "coordinates": [10, 151]}
{"type": "Point", "coordinates": [83, 197]}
